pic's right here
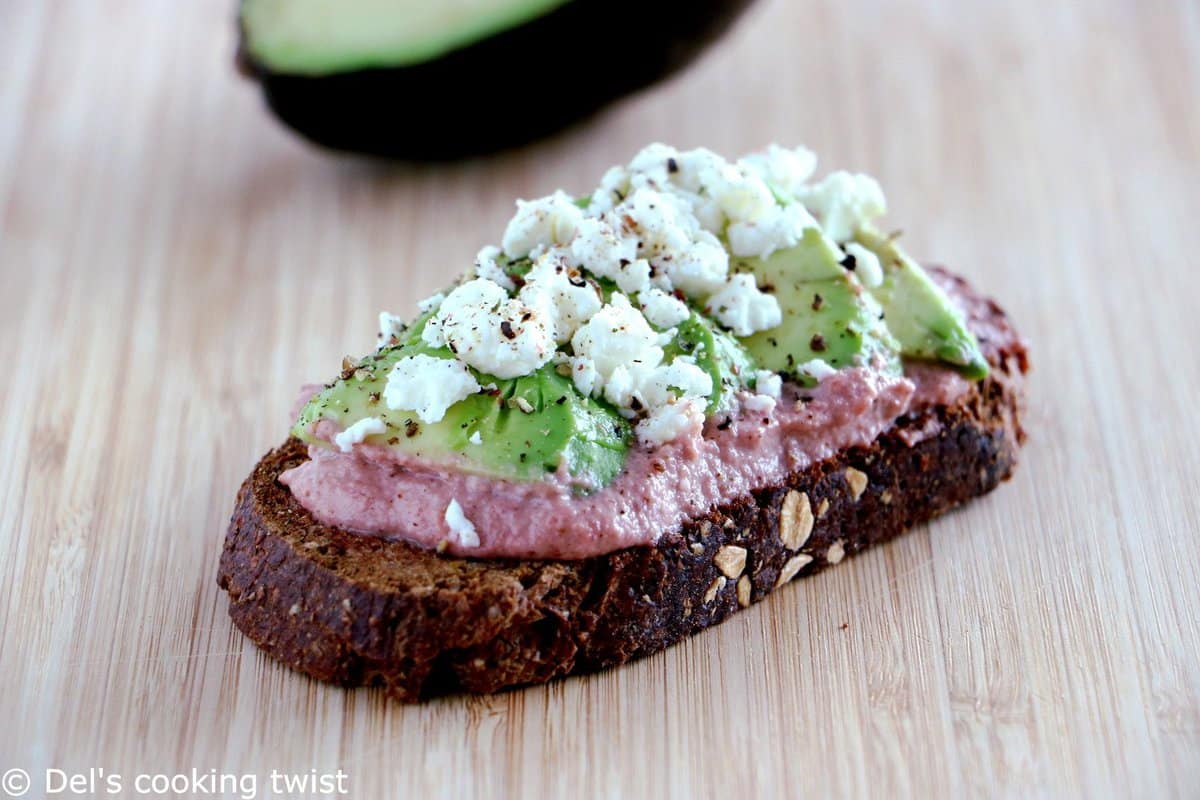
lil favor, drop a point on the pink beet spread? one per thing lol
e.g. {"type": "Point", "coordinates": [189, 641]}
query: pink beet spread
{"type": "Point", "coordinates": [377, 491]}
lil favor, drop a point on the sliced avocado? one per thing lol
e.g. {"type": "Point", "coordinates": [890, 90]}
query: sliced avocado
{"type": "Point", "coordinates": [826, 313]}
{"type": "Point", "coordinates": [919, 313]}
{"type": "Point", "coordinates": [716, 352]}
{"type": "Point", "coordinates": [423, 79]}
{"type": "Point", "coordinates": [319, 37]}
{"type": "Point", "coordinates": [526, 426]}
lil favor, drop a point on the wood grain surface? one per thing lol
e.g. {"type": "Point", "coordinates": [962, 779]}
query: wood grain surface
{"type": "Point", "coordinates": [173, 265]}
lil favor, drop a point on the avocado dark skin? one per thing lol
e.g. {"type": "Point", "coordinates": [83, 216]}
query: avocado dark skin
{"type": "Point", "coordinates": [519, 85]}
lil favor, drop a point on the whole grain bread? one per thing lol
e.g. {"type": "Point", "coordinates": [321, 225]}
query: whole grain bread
{"type": "Point", "coordinates": [356, 609]}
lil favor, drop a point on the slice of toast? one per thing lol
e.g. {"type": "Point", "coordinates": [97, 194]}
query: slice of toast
{"type": "Point", "coordinates": [356, 609]}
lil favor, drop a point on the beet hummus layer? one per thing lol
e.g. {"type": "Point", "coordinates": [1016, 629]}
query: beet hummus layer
{"type": "Point", "coordinates": [374, 490]}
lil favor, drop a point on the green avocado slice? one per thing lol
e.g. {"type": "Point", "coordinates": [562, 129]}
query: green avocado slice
{"type": "Point", "coordinates": [526, 426]}
{"type": "Point", "coordinates": [716, 352]}
{"type": "Point", "coordinates": [919, 313]}
{"type": "Point", "coordinates": [826, 313]}
{"type": "Point", "coordinates": [320, 37]}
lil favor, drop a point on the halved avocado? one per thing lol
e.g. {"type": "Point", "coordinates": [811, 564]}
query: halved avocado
{"type": "Point", "coordinates": [433, 80]}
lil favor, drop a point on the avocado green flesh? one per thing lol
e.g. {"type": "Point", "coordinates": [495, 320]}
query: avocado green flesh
{"type": "Point", "coordinates": [826, 314]}
{"type": "Point", "coordinates": [322, 37]}
{"type": "Point", "coordinates": [918, 312]}
{"type": "Point", "coordinates": [561, 426]}
{"type": "Point", "coordinates": [716, 352]}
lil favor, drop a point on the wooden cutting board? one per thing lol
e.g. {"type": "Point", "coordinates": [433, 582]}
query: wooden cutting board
{"type": "Point", "coordinates": [173, 265]}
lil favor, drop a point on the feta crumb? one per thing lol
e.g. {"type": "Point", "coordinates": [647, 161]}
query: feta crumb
{"type": "Point", "coordinates": [562, 295]}
{"type": "Point", "coordinates": [768, 383]}
{"type": "Point", "coordinates": [493, 333]}
{"type": "Point", "coordinates": [741, 196]}
{"type": "Point", "coordinates": [475, 438]}
{"type": "Point", "coordinates": [866, 265]}
{"type": "Point", "coordinates": [428, 386]}
{"type": "Point", "coordinates": [844, 202]}
{"type": "Point", "coordinates": [616, 335]}
{"type": "Point", "coordinates": [662, 222]}
{"type": "Point", "coordinates": [778, 229]}
{"type": "Point", "coordinates": [817, 368]}
{"type": "Point", "coordinates": [602, 249]}
{"type": "Point", "coordinates": [487, 265]}
{"type": "Point", "coordinates": [661, 309]}
{"type": "Point", "coordinates": [785, 170]}
{"type": "Point", "coordinates": [693, 165]}
{"type": "Point", "coordinates": [544, 222]}
{"type": "Point", "coordinates": [654, 161]}
{"type": "Point", "coordinates": [671, 421]}
{"type": "Point", "coordinates": [430, 303]}
{"type": "Point", "coordinates": [743, 308]}
{"type": "Point", "coordinates": [613, 186]}
{"type": "Point", "coordinates": [758, 403]}
{"type": "Point", "coordinates": [584, 375]}
{"type": "Point", "coordinates": [701, 268]}
{"type": "Point", "coordinates": [638, 387]}
{"type": "Point", "coordinates": [359, 431]}
{"type": "Point", "coordinates": [390, 326]}
{"type": "Point", "coordinates": [460, 526]}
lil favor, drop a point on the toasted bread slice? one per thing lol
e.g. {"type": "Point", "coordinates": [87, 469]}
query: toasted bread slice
{"type": "Point", "coordinates": [356, 609]}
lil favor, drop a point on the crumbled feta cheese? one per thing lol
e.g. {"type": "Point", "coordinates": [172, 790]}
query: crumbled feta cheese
{"type": "Point", "coordinates": [561, 294]}
{"type": "Point", "coordinates": [741, 196]}
{"type": "Point", "coordinates": [667, 223]}
{"type": "Point", "coordinates": [768, 383]}
{"type": "Point", "coordinates": [693, 165]}
{"type": "Point", "coordinates": [544, 222]}
{"type": "Point", "coordinates": [866, 265]}
{"type": "Point", "coordinates": [428, 386]}
{"type": "Point", "coordinates": [661, 309]}
{"type": "Point", "coordinates": [817, 368]}
{"type": "Point", "coordinates": [638, 387]}
{"type": "Point", "coordinates": [661, 221]}
{"type": "Point", "coordinates": [654, 161]}
{"type": "Point", "coordinates": [668, 422]}
{"type": "Point", "coordinates": [614, 185]}
{"type": "Point", "coordinates": [617, 335]}
{"type": "Point", "coordinates": [778, 229]}
{"type": "Point", "coordinates": [430, 303]}
{"type": "Point", "coordinates": [460, 526]}
{"type": "Point", "coordinates": [390, 327]}
{"type": "Point", "coordinates": [785, 170]}
{"type": "Point", "coordinates": [431, 334]}
{"type": "Point", "coordinates": [475, 438]}
{"type": "Point", "coordinates": [602, 250]}
{"type": "Point", "coordinates": [493, 333]}
{"type": "Point", "coordinates": [487, 265]}
{"type": "Point", "coordinates": [844, 202]}
{"type": "Point", "coordinates": [701, 268]}
{"type": "Point", "coordinates": [758, 403]}
{"type": "Point", "coordinates": [584, 375]}
{"type": "Point", "coordinates": [743, 308]}
{"type": "Point", "coordinates": [359, 431]}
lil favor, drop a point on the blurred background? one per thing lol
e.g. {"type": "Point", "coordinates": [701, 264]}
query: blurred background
{"type": "Point", "coordinates": [174, 264]}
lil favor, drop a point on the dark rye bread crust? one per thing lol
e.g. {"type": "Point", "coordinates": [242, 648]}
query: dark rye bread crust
{"type": "Point", "coordinates": [355, 609]}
